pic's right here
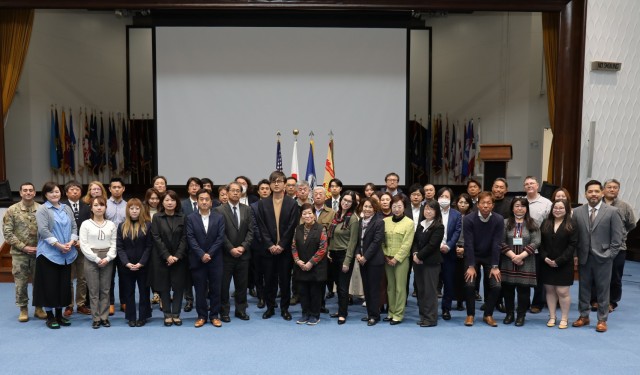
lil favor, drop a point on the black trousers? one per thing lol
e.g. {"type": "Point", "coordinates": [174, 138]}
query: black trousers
{"type": "Point", "coordinates": [491, 295]}
{"type": "Point", "coordinates": [371, 281]}
{"type": "Point", "coordinates": [342, 279]}
{"type": "Point", "coordinates": [509, 294]}
{"type": "Point", "coordinates": [277, 273]}
{"type": "Point", "coordinates": [447, 274]}
{"type": "Point", "coordinates": [237, 268]}
{"type": "Point", "coordinates": [539, 296]}
{"type": "Point", "coordinates": [257, 273]}
{"type": "Point", "coordinates": [51, 283]}
{"type": "Point", "coordinates": [128, 280]}
{"type": "Point", "coordinates": [119, 267]}
{"type": "Point", "coordinates": [458, 280]}
{"type": "Point", "coordinates": [310, 297]}
{"type": "Point", "coordinates": [207, 279]}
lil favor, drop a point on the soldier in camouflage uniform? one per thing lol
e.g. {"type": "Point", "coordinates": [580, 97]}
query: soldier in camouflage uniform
{"type": "Point", "coordinates": [21, 232]}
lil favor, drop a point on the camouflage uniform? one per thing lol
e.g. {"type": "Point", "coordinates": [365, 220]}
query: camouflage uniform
{"type": "Point", "coordinates": [20, 230]}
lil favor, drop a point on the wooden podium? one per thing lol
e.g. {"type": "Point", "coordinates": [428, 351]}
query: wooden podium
{"type": "Point", "coordinates": [495, 158]}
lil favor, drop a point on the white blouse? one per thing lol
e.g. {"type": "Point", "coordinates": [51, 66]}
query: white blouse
{"type": "Point", "coordinates": [94, 236]}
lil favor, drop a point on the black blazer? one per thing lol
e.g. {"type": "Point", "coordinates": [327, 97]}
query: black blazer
{"type": "Point", "coordinates": [288, 220]}
{"type": "Point", "coordinates": [187, 208]}
{"type": "Point", "coordinates": [169, 238]}
{"type": "Point", "coordinates": [427, 244]}
{"type": "Point", "coordinates": [135, 250]}
{"type": "Point", "coordinates": [201, 242]}
{"type": "Point", "coordinates": [84, 211]}
{"type": "Point", "coordinates": [560, 246]}
{"type": "Point", "coordinates": [237, 236]}
{"type": "Point", "coordinates": [306, 250]}
{"type": "Point", "coordinates": [370, 247]}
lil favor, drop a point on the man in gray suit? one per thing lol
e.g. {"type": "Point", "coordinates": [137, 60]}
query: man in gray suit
{"type": "Point", "coordinates": [236, 255]}
{"type": "Point", "coordinates": [600, 233]}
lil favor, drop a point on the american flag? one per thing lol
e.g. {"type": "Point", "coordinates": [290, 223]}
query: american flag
{"type": "Point", "coordinates": [278, 157]}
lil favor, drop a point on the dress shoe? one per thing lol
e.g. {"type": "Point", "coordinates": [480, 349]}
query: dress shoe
{"type": "Point", "coordinates": [500, 307]}
{"type": "Point", "coordinates": [141, 322]}
{"type": "Point", "coordinates": [168, 322]}
{"type": "Point", "coordinates": [334, 315]}
{"type": "Point", "coordinates": [252, 292]}
{"type": "Point", "coordinates": [261, 304]}
{"type": "Point", "coordinates": [478, 298]}
{"type": "Point", "coordinates": [269, 313]}
{"type": "Point", "coordinates": [177, 321]}
{"type": "Point", "coordinates": [364, 319]}
{"type": "Point", "coordinates": [112, 309]}
{"type": "Point", "coordinates": [132, 323]}
{"type": "Point", "coordinates": [83, 310]}
{"type": "Point", "coordinates": [519, 321]}
{"type": "Point", "coordinates": [324, 310]}
{"type": "Point", "coordinates": [200, 322]}
{"type": "Point", "coordinates": [508, 319]}
{"type": "Point", "coordinates": [372, 322]}
{"type": "Point", "coordinates": [216, 322]}
{"type": "Point", "coordinates": [446, 315]}
{"type": "Point", "coordinates": [40, 313]}
{"type": "Point", "coordinates": [95, 324]}
{"type": "Point", "coordinates": [241, 315]}
{"type": "Point", "coordinates": [482, 307]}
{"type": "Point", "coordinates": [24, 314]}
{"type": "Point", "coordinates": [342, 320]}
{"type": "Point", "coordinates": [594, 306]}
{"type": "Point", "coordinates": [419, 322]}
{"type": "Point", "coordinates": [123, 307]}
{"type": "Point", "coordinates": [330, 295]}
{"type": "Point", "coordinates": [285, 315]}
{"type": "Point", "coordinates": [68, 311]}
{"type": "Point", "coordinates": [394, 322]}
{"type": "Point", "coordinates": [425, 324]}
{"type": "Point", "coordinates": [189, 306]}
{"type": "Point", "coordinates": [64, 322]}
{"type": "Point", "coordinates": [601, 326]}
{"type": "Point", "coordinates": [582, 321]}
{"type": "Point", "coordinates": [460, 306]}
{"type": "Point", "coordinates": [225, 318]}
{"type": "Point", "coordinates": [293, 301]}
{"type": "Point", "coordinates": [106, 323]}
{"type": "Point", "coordinates": [386, 319]}
{"type": "Point", "coordinates": [490, 321]}
{"type": "Point", "coordinates": [535, 310]}
{"type": "Point", "coordinates": [469, 321]}
{"type": "Point", "coordinates": [414, 294]}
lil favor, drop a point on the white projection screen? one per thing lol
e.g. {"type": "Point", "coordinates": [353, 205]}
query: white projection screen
{"type": "Point", "coordinates": [223, 93]}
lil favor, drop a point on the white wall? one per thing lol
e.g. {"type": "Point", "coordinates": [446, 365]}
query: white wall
{"type": "Point", "coordinates": [75, 58]}
{"type": "Point", "coordinates": [489, 65]}
{"type": "Point", "coordinates": [612, 99]}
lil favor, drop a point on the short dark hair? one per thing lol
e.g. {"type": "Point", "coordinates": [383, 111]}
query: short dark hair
{"type": "Point", "coordinates": [483, 195]}
{"type": "Point", "coordinates": [27, 183]}
{"type": "Point", "coordinates": [163, 178]}
{"type": "Point", "coordinates": [264, 181]}
{"type": "Point", "coordinates": [206, 180]}
{"type": "Point", "coordinates": [277, 175]}
{"type": "Point", "coordinates": [398, 198]}
{"type": "Point", "coordinates": [416, 187]}
{"type": "Point", "coordinates": [503, 180]}
{"type": "Point", "coordinates": [374, 203]}
{"type": "Point", "coordinates": [292, 178]}
{"type": "Point", "coordinates": [442, 190]}
{"type": "Point", "coordinates": [337, 182]}
{"type": "Point", "coordinates": [391, 174]}
{"type": "Point", "coordinates": [194, 179]}
{"type": "Point", "coordinates": [306, 206]}
{"type": "Point", "coordinates": [116, 179]}
{"type": "Point", "coordinates": [592, 182]}
{"type": "Point", "coordinates": [472, 180]}
{"type": "Point", "coordinates": [203, 191]}
{"type": "Point", "coordinates": [173, 195]}
{"type": "Point", "coordinates": [47, 188]}
{"type": "Point", "coordinates": [69, 185]}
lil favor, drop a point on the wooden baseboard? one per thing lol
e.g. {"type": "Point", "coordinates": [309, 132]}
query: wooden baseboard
{"type": "Point", "coordinates": [5, 264]}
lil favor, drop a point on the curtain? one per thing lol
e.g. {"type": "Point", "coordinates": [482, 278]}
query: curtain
{"type": "Point", "coordinates": [550, 35]}
{"type": "Point", "coordinates": [15, 32]}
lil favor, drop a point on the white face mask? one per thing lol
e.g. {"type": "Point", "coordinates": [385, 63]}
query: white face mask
{"type": "Point", "coordinates": [444, 203]}
{"type": "Point", "coordinates": [244, 189]}
{"type": "Point", "coordinates": [519, 216]}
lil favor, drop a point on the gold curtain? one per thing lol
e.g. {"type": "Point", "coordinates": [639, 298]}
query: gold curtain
{"type": "Point", "coordinates": [15, 32]}
{"type": "Point", "coordinates": [550, 35]}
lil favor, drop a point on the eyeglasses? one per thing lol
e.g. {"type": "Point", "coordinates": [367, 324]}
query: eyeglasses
{"type": "Point", "coordinates": [277, 181]}
{"type": "Point", "coordinates": [347, 201]}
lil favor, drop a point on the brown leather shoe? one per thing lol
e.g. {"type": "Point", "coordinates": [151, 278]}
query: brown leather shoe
{"type": "Point", "coordinates": [469, 321]}
{"type": "Point", "coordinates": [582, 321]}
{"type": "Point", "coordinates": [200, 322]}
{"type": "Point", "coordinates": [68, 311]}
{"type": "Point", "coordinates": [84, 310]}
{"type": "Point", "coordinates": [216, 322]}
{"type": "Point", "coordinates": [489, 320]}
{"type": "Point", "coordinates": [112, 309]}
{"type": "Point", "coordinates": [601, 326]}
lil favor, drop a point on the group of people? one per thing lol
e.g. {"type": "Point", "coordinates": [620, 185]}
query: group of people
{"type": "Point", "coordinates": [300, 243]}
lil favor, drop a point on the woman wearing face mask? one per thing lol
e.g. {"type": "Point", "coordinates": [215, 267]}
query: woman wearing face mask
{"type": "Point", "coordinates": [247, 196]}
{"type": "Point", "coordinates": [517, 264]}
{"type": "Point", "coordinates": [134, 247]}
{"type": "Point", "coordinates": [426, 258]}
{"type": "Point", "coordinates": [399, 234]}
{"type": "Point", "coordinates": [452, 221]}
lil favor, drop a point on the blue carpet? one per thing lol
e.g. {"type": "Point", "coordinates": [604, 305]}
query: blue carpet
{"type": "Point", "coordinates": [276, 346]}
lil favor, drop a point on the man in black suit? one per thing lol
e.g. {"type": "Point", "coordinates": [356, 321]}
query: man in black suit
{"type": "Point", "coordinates": [205, 237]}
{"type": "Point", "coordinates": [335, 188]}
{"type": "Point", "coordinates": [258, 249]}
{"type": "Point", "coordinates": [189, 206]}
{"type": "Point", "coordinates": [81, 212]}
{"type": "Point", "coordinates": [238, 224]}
{"type": "Point", "coordinates": [277, 217]}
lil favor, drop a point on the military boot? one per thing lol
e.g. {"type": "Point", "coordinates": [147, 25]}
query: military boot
{"type": "Point", "coordinates": [24, 314]}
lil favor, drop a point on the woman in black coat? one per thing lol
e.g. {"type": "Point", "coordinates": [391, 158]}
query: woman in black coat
{"type": "Point", "coordinates": [427, 259]}
{"type": "Point", "coordinates": [559, 242]}
{"type": "Point", "coordinates": [169, 257]}
{"type": "Point", "coordinates": [309, 249]}
{"type": "Point", "coordinates": [369, 255]}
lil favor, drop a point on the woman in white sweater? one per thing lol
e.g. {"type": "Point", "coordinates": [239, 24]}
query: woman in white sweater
{"type": "Point", "coordinates": [98, 244]}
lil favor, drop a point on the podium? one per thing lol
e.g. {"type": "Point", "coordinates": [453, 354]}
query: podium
{"type": "Point", "coordinates": [495, 158]}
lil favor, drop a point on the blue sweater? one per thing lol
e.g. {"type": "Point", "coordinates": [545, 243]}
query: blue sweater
{"type": "Point", "coordinates": [482, 241]}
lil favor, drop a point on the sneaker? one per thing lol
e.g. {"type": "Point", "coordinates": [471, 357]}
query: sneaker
{"type": "Point", "coordinates": [313, 321]}
{"type": "Point", "coordinates": [304, 319]}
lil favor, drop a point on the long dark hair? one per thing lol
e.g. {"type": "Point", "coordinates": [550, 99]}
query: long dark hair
{"type": "Point", "coordinates": [528, 221]}
{"type": "Point", "coordinates": [548, 224]}
{"type": "Point", "coordinates": [434, 205]}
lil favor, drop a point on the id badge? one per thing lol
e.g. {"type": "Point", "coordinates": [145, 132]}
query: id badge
{"type": "Point", "coordinates": [517, 241]}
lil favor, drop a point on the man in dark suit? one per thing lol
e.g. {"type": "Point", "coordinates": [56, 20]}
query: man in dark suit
{"type": "Point", "coordinates": [258, 249]}
{"type": "Point", "coordinates": [600, 233]}
{"type": "Point", "coordinates": [205, 237]}
{"type": "Point", "coordinates": [335, 188]}
{"type": "Point", "coordinates": [238, 224]}
{"type": "Point", "coordinates": [189, 206]}
{"type": "Point", "coordinates": [277, 217]}
{"type": "Point", "coordinates": [81, 212]}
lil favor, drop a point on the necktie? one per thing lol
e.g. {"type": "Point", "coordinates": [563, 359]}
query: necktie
{"type": "Point", "coordinates": [195, 206]}
{"type": "Point", "coordinates": [335, 205]}
{"type": "Point", "coordinates": [592, 217]}
{"type": "Point", "coordinates": [235, 214]}
{"type": "Point", "coordinates": [75, 207]}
